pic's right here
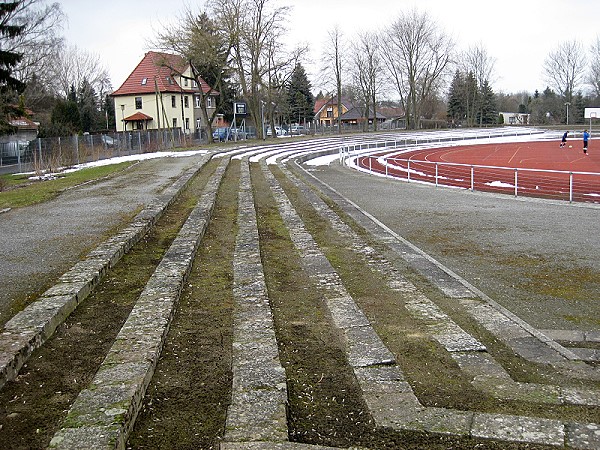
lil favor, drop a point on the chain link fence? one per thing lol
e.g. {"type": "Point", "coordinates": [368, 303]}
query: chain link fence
{"type": "Point", "coordinates": [51, 154]}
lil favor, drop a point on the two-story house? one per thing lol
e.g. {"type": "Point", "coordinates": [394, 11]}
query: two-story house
{"type": "Point", "coordinates": [326, 110]}
{"type": "Point", "coordinates": [161, 93]}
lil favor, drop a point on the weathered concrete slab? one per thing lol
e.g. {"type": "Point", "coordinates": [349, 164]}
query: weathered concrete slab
{"type": "Point", "coordinates": [583, 436]}
{"type": "Point", "coordinates": [273, 446]}
{"type": "Point", "coordinates": [259, 390]}
{"type": "Point", "coordinates": [518, 429]}
{"type": "Point", "coordinates": [108, 406]}
{"type": "Point", "coordinates": [365, 348]}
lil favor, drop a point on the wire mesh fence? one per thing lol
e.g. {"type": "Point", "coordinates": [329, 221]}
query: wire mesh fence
{"type": "Point", "coordinates": [50, 154]}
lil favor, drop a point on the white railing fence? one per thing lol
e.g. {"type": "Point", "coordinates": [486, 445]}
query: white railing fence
{"type": "Point", "coordinates": [552, 184]}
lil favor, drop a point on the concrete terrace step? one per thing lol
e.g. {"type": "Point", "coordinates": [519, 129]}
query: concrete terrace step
{"type": "Point", "coordinates": [30, 328]}
{"type": "Point", "coordinates": [104, 413]}
{"type": "Point", "coordinates": [470, 354]}
{"type": "Point", "coordinates": [259, 393]}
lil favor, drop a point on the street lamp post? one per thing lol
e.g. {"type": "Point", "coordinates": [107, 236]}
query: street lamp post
{"type": "Point", "coordinates": [262, 118]}
{"type": "Point", "coordinates": [123, 116]}
{"type": "Point", "coordinates": [567, 104]}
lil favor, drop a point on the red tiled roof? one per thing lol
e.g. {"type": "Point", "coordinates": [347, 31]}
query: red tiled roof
{"type": "Point", "coordinates": [137, 116]}
{"type": "Point", "coordinates": [161, 67]}
{"type": "Point", "coordinates": [23, 123]}
{"type": "Point", "coordinates": [320, 104]}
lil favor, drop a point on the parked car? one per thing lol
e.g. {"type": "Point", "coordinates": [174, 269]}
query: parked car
{"type": "Point", "coordinates": [221, 134]}
{"type": "Point", "coordinates": [278, 131]}
{"type": "Point", "coordinates": [297, 129]}
{"type": "Point", "coordinates": [107, 140]}
{"type": "Point", "coordinates": [238, 134]}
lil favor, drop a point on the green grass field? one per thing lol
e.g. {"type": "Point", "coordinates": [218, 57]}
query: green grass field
{"type": "Point", "coordinates": [19, 190]}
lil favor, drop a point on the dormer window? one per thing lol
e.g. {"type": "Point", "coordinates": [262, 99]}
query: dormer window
{"type": "Point", "coordinates": [144, 81]}
{"type": "Point", "coordinates": [169, 80]}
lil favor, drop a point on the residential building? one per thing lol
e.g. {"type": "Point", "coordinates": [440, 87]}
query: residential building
{"type": "Point", "coordinates": [326, 111]}
{"type": "Point", "coordinates": [515, 118]}
{"type": "Point", "coordinates": [16, 143]}
{"type": "Point", "coordinates": [356, 116]}
{"type": "Point", "coordinates": [161, 93]}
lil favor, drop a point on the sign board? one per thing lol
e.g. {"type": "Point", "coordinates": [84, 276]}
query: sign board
{"type": "Point", "coordinates": [240, 108]}
{"type": "Point", "coordinates": [592, 113]}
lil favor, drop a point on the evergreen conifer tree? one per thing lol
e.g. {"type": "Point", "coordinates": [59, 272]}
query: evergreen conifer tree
{"type": "Point", "coordinates": [10, 87]}
{"type": "Point", "coordinates": [456, 101]}
{"type": "Point", "coordinates": [300, 100]}
{"type": "Point", "coordinates": [87, 105]}
{"type": "Point", "coordinates": [488, 110]}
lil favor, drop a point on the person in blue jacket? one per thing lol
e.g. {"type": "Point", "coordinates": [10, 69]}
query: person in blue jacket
{"type": "Point", "coordinates": [586, 137]}
{"type": "Point", "coordinates": [563, 142]}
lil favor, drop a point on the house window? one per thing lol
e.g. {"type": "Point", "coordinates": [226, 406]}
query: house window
{"type": "Point", "coordinates": [209, 102]}
{"type": "Point", "coordinates": [186, 102]}
{"type": "Point", "coordinates": [329, 112]}
{"type": "Point", "coordinates": [169, 80]}
{"type": "Point", "coordinates": [187, 123]}
{"type": "Point", "coordinates": [174, 122]}
{"type": "Point", "coordinates": [138, 103]}
{"type": "Point", "coordinates": [173, 101]}
{"type": "Point", "coordinates": [185, 81]}
{"type": "Point", "coordinates": [194, 84]}
{"type": "Point", "coordinates": [197, 99]}
{"type": "Point", "coordinates": [198, 124]}
{"type": "Point", "coordinates": [144, 81]}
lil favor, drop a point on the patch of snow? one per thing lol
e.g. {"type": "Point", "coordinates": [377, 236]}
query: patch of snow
{"type": "Point", "coordinates": [499, 184]}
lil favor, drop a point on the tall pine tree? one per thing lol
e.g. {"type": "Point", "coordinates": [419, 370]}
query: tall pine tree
{"type": "Point", "coordinates": [456, 101]}
{"type": "Point", "coordinates": [300, 101]}
{"type": "Point", "coordinates": [10, 87]}
{"type": "Point", "coordinates": [488, 111]}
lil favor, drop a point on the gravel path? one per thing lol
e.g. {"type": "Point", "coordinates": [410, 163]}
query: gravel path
{"type": "Point", "coordinates": [41, 242]}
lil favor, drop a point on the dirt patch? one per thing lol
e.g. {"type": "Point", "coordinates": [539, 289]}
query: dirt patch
{"type": "Point", "coordinates": [186, 402]}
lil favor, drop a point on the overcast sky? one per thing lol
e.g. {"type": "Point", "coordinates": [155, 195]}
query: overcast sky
{"type": "Point", "coordinates": [517, 34]}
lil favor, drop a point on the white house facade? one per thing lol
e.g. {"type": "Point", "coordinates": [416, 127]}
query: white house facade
{"type": "Point", "coordinates": [161, 93]}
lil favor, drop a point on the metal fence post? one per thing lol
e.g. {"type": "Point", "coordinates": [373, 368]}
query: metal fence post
{"type": "Point", "coordinates": [570, 187]}
{"type": "Point", "coordinates": [472, 178]}
{"type": "Point", "coordinates": [436, 174]}
{"type": "Point", "coordinates": [408, 170]}
{"type": "Point", "coordinates": [76, 136]}
{"type": "Point", "coordinates": [516, 182]}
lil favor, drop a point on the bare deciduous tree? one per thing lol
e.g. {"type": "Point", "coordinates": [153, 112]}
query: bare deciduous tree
{"type": "Point", "coordinates": [418, 56]}
{"type": "Point", "coordinates": [72, 66]}
{"type": "Point", "coordinates": [256, 29]}
{"type": "Point", "coordinates": [367, 67]}
{"type": "Point", "coordinates": [206, 48]}
{"type": "Point", "coordinates": [333, 61]}
{"type": "Point", "coordinates": [40, 40]}
{"type": "Point", "coordinates": [564, 68]}
{"type": "Point", "coordinates": [477, 61]}
{"type": "Point", "coordinates": [594, 75]}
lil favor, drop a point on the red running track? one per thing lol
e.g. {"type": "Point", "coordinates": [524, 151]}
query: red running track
{"type": "Point", "coordinates": [491, 167]}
